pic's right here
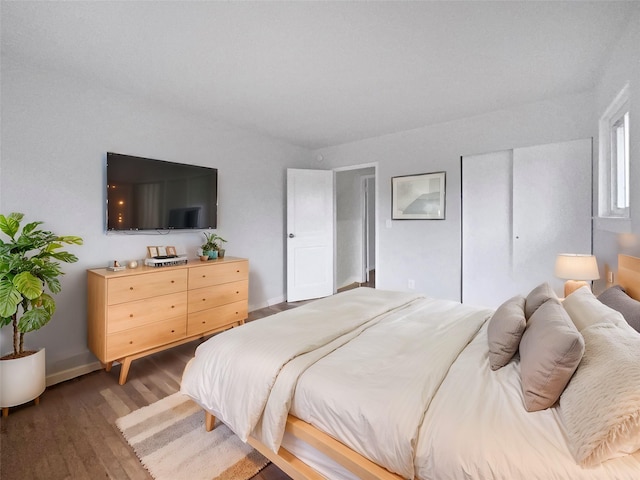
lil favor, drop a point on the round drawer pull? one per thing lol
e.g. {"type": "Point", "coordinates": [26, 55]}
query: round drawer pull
{"type": "Point", "coordinates": [131, 315]}
{"type": "Point", "coordinates": [203, 322]}
{"type": "Point", "coordinates": [172, 331]}
{"type": "Point", "coordinates": [130, 288]}
{"type": "Point", "coordinates": [172, 281]}
{"type": "Point", "coordinates": [173, 306]}
{"type": "Point", "coordinates": [204, 299]}
{"type": "Point", "coordinates": [204, 276]}
{"type": "Point", "coordinates": [130, 342]}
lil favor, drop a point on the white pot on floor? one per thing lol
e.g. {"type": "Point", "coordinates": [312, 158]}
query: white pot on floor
{"type": "Point", "coordinates": [22, 379]}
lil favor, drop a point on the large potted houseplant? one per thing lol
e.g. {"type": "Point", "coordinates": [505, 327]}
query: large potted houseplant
{"type": "Point", "coordinates": [29, 273]}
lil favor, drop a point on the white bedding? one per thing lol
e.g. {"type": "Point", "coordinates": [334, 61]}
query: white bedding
{"type": "Point", "coordinates": [407, 384]}
{"type": "Point", "coordinates": [481, 412]}
{"type": "Point", "coordinates": [232, 374]}
{"type": "Point", "coordinates": [373, 393]}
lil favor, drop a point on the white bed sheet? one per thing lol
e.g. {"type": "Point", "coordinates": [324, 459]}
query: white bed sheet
{"type": "Point", "coordinates": [477, 428]}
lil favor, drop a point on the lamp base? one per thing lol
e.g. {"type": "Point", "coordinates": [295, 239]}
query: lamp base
{"type": "Point", "coordinates": [571, 286]}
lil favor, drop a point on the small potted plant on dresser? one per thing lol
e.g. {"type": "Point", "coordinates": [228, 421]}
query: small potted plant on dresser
{"type": "Point", "coordinates": [219, 241]}
{"type": "Point", "coordinates": [212, 246]}
{"type": "Point", "coordinates": [29, 266]}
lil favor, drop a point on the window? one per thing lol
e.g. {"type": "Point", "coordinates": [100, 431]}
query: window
{"type": "Point", "coordinates": [614, 158]}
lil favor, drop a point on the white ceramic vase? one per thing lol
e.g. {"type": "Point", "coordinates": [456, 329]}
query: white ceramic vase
{"type": "Point", "coordinates": [22, 379]}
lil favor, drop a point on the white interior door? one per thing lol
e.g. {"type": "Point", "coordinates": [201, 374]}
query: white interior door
{"type": "Point", "coordinates": [309, 234]}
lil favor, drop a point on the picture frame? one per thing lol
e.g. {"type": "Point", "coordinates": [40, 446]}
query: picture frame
{"type": "Point", "coordinates": [161, 251]}
{"type": "Point", "coordinates": [418, 197]}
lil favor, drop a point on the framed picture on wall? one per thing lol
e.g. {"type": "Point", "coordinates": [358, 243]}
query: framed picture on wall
{"type": "Point", "coordinates": [418, 197]}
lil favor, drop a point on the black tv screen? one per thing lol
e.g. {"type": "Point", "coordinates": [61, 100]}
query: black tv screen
{"type": "Point", "coordinates": [148, 194]}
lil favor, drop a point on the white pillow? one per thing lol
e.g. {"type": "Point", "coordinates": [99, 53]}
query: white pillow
{"type": "Point", "coordinates": [586, 310]}
{"type": "Point", "coordinates": [600, 407]}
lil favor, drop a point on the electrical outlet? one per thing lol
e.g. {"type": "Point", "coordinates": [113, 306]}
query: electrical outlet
{"type": "Point", "coordinates": [610, 279]}
{"type": "Point", "coordinates": [411, 284]}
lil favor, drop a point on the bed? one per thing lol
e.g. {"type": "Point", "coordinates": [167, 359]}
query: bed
{"type": "Point", "coordinates": [371, 384]}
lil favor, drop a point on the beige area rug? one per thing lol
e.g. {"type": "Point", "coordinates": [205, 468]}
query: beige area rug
{"type": "Point", "coordinates": [170, 440]}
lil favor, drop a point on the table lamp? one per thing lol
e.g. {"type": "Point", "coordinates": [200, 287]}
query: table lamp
{"type": "Point", "coordinates": [576, 269]}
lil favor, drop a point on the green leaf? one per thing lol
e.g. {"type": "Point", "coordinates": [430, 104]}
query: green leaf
{"type": "Point", "coordinates": [28, 285]}
{"type": "Point", "coordinates": [4, 321]}
{"type": "Point", "coordinates": [10, 224]}
{"type": "Point", "coordinates": [71, 239]}
{"type": "Point", "coordinates": [29, 227]}
{"type": "Point", "coordinates": [53, 284]}
{"type": "Point", "coordinates": [10, 298]}
{"type": "Point", "coordinates": [64, 257]}
{"type": "Point", "coordinates": [33, 320]}
{"type": "Point", "coordinates": [48, 303]}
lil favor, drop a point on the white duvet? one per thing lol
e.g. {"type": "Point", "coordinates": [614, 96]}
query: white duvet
{"type": "Point", "coordinates": [234, 374]}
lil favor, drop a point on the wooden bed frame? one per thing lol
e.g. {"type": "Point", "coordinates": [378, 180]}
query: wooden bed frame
{"type": "Point", "coordinates": [628, 278]}
{"type": "Point", "coordinates": [337, 451]}
{"type": "Point", "coordinates": [629, 275]}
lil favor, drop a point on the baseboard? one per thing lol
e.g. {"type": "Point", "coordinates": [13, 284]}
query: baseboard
{"type": "Point", "coordinates": [71, 373]}
{"type": "Point", "coordinates": [275, 300]}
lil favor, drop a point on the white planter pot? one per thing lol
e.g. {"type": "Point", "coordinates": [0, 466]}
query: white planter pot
{"type": "Point", "coordinates": [22, 379]}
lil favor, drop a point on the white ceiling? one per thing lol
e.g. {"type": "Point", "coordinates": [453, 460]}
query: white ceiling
{"type": "Point", "coordinates": [323, 73]}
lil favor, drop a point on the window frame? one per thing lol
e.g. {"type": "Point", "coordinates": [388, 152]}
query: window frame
{"type": "Point", "coordinates": [615, 116]}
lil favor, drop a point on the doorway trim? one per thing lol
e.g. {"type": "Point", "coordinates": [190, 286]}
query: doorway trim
{"type": "Point", "coordinates": [362, 166]}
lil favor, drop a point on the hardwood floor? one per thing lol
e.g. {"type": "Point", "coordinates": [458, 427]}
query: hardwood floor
{"type": "Point", "coordinates": [72, 433]}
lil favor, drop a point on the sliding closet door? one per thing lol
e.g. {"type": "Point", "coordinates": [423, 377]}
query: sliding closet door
{"type": "Point", "coordinates": [486, 224]}
{"type": "Point", "coordinates": [521, 208]}
{"type": "Point", "coordinates": [552, 209]}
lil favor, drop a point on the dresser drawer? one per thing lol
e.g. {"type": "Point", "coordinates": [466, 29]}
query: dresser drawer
{"type": "Point", "coordinates": [216, 295]}
{"type": "Point", "coordinates": [124, 316]}
{"type": "Point", "coordinates": [216, 274]}
{"type": "Point", "coordinates": [128, 342]}
{"type": "Point", "coordinates": [137, 287]}
{"type": "Point", "coordinates": [217, 317]}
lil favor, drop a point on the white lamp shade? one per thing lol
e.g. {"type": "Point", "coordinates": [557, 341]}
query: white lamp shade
{"type": "Point", "coordinates": [573, 266]}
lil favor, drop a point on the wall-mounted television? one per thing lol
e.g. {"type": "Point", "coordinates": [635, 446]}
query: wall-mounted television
{"type": "Point", "coordinates": [148, 194]}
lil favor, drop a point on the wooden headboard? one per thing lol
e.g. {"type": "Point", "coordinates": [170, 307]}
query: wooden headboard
{"type": "Point", "coordinates": [629, 275]}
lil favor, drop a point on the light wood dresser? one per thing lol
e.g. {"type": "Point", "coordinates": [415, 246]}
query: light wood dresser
{"type": "Point", "coordinates": [136, 312]}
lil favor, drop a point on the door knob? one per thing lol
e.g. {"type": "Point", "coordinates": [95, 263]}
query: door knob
{"type": "Point", "coordinates": [291, 235]}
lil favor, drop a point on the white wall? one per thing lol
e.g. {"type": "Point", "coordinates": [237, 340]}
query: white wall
{"type": "Point", "coordinates": [55, 135]}
{"type": "Point", "coordinates": [623, 67]}
{"type": "Point", "coordinates": [428, 252]}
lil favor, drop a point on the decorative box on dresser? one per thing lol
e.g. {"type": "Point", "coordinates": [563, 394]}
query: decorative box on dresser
{"type": "Point", "coordinates": [136, 312]}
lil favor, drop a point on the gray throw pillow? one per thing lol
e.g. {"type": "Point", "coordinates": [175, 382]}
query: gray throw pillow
{"type": "Point", "coordinates": [505, 331]}
{"type": "Point", "coordinates": [550, 351]}
{"type": "Point", "coordinates": [537, 297]}
{"type": "Point", "coordinates": [616, 298]}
